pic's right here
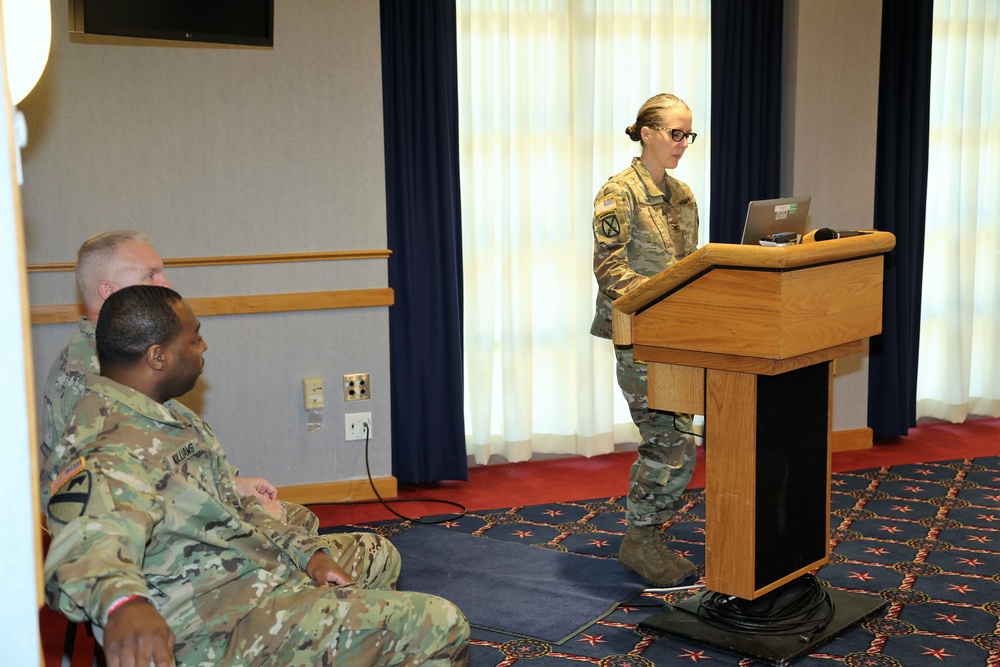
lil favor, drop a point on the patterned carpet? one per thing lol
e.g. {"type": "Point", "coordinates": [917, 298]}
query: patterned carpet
{"type": "Point", "coordinates": [923, 537]}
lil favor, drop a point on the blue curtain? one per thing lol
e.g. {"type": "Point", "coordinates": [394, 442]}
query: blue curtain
{"type": "Point", "coordinates": [424, 232]}
{"type": "Point", "coordinates": [900, 208]}
{"type": "Point", "coordinates": [746, 110]}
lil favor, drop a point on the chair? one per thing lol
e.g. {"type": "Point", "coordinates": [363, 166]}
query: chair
{"type": "Point", "coordinates": [70, 643]}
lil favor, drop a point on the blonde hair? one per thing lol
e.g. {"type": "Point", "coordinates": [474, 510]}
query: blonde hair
{"type": "Point", "coordinates": [97, 257]}
{"type": "Point", "coordinates": [651, 113]}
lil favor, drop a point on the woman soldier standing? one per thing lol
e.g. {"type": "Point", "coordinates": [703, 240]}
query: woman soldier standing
{"type": "Point", "coordinates": [645, 221]}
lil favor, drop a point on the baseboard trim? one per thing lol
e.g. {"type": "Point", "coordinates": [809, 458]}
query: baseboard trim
{"type": "Point", "coordinates": [341, 491]}
{"type": "Point", "coordinates": [844, 441]}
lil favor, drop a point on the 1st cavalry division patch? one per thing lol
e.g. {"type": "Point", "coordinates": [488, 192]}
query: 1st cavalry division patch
{"type": "Point", "coordinates": [70, 492]}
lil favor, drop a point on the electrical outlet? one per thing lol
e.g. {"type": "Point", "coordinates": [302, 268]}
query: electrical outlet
{"type": "Point", "coordinates": [358, 426]}
{"type": "Point", "coordinates": [356, 387]}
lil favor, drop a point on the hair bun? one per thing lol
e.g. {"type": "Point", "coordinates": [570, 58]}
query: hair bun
{"type": "Point", "coordinates": [632, 133]}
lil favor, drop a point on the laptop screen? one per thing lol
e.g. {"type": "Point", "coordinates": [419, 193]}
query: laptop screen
{"type": "Point", "coordinates": [772, 216]}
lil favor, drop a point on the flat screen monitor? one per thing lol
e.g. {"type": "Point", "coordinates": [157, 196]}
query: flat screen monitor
{"type": "Point", "coordinates": [248, 22]}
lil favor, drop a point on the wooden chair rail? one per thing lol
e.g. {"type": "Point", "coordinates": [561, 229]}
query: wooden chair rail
{"type": "Point", "coordinates": [330, 255]}
{"type": "Point", "coordinates": [244, 305]}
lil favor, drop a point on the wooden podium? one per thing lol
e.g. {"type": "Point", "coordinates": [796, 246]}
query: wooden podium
{"type": "Point", "coordinates": [746, 336]}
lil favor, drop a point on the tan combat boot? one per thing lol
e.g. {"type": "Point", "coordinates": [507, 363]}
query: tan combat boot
{"type": "Point", "coordinates": [644, 553]}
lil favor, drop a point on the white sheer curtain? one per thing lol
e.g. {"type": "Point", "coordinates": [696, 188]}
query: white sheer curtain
{"type": "Point", "coordinates": [546, 90]}
{"type": "Point", "coordinates": [959, 371]}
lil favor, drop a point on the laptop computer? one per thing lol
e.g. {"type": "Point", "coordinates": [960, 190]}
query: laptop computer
{"type": "Point", "coordinates": [774, 216]}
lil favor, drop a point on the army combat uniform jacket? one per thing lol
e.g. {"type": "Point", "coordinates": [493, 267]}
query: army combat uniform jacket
{"type": "Point", "coordinates": [166, 474]}
{"type": "Point", "coordinates": [638, 232]}
{"type": "Point", "coordinates": [65, 384]}
{"type": "Point", "coordinates": [143, 502]}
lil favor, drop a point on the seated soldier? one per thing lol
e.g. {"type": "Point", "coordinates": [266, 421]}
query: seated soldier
{"type": "Point", "coordinates": [106, 262]}
{"type": "Point", "coordinates": [152, 541]}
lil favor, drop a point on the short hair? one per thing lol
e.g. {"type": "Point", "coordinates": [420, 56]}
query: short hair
{"type": "Point", "coordinates": [96, 255]}
{"type": "Point", "coordinates": [133, 319]}
{"type": "Point", "coordinates": [651, 113]}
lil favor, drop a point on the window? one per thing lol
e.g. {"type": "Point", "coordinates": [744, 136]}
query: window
{"type": "Point", "coordinates": [546, 90]}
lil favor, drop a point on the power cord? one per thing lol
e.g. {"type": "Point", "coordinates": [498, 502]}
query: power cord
{"type": "Point", "coordinates": [385, 504]}
{"type": "Point", "coordinates": [700, 436]}
{"type": "Point", "coordinates": [802, 606]}
{"type": "Point", "coordinates": [454, 517]}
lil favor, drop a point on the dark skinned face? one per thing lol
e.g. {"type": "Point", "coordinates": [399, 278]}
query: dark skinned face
{"type": "Point", "coordinates": [183, 355]}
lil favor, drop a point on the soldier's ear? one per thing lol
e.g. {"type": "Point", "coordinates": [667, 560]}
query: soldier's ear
{"type": "Point", "coordinates": [106, 288]}
{"type": "Point", "coordinates": [154, 357]}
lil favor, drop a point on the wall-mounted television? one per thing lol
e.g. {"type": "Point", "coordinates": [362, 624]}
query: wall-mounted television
{"type": "Point", "coordinates": [247, 22]}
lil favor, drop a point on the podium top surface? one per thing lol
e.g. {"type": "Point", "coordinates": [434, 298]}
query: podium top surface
{"type": "Point", "coordinates": [712, 255]}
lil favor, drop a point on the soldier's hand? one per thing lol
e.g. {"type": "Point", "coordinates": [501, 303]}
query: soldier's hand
{"type": "Point", "coordinates": [137, 636]}
{"type": "Point", "coordinates": [325, 571]}
{"type": "Point", "coordinates": [258, 487]}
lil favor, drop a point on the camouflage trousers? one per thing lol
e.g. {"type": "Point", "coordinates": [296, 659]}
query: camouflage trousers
{"type": "Point", "coordinates": [368, 623]}
{"type": "Point", "coordinates": [667, 456]}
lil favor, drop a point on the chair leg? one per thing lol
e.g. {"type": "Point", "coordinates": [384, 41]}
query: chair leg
{"type": "Point", "coordinates": [98, 635]}
{"type": "Point", "coordinates": [70, 643]}
{"type": "Point", "coordinates": [67, 656]}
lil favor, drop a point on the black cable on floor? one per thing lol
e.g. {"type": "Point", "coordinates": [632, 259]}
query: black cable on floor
{"type": "Point", "coordinates": [802, 606]}
{"type": "Point", "coordinates": [385, 503]}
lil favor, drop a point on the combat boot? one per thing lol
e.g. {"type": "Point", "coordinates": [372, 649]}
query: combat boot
{"type": "Point", "coordinates": [644, 553]}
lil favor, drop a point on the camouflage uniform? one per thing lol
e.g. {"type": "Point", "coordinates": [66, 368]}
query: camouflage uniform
{"type": "Point", "coordinates": [143, 503]}
{"type": "Point", "coordinates": [64, 387]}
{"type": "Point", "coordinates": [638, 232]}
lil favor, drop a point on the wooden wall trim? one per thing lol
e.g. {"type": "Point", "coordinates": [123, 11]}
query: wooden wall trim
{"type": "Point", "coordinates": [851, 439]}
{"type": "Point", "coordinates": [244, 305]}
{"type": "Point", "coordinates": [331, 255]}
{"type": "Point", "coordinates": [341, 491]}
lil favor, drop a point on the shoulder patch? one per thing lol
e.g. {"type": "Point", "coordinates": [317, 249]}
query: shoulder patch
{"type": "Point", "coordinates": [72, 498]}
{"type": "Point", "coordinates": [606, 205]}
{"type": "Point", "coordinates": [610, 226]}
{"type": "Point", "coordinates": [64, 476]}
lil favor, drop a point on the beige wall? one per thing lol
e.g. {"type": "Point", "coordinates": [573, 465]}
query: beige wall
{"type": "Point", "coordinates": [219, 151]}
{"type": "Point", "coordinates": [830, 119]}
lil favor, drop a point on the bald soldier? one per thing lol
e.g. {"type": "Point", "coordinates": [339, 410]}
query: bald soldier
{"type": "Point", "coordinates": [152, 541]}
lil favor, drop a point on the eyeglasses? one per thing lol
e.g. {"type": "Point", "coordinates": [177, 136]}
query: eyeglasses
{"type": "Point", "coordinates": [679, 135]}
